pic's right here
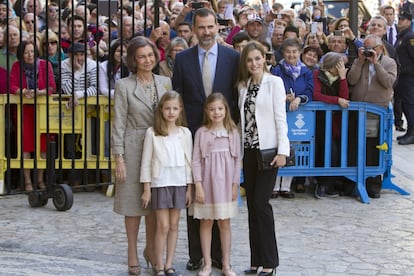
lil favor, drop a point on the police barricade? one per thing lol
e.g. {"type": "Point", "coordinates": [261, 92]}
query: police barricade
{"type": "Point", "coordinates": [303, 132]}
{"type": "Point", "coordinates": [85, 126]}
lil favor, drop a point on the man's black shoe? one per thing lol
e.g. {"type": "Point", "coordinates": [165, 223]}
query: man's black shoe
{"type": "Point", "coordinates": [286, 194]}
{"type": "Point", "coordinates": [216, 264]}
{"type": "Point", "coordinates": [374, 195]}
{"type": "Point", "coordinates": [193, 265]}
{"type": "Point", "coordinates": [407, 140]}
{"type": "Point", "coordinates": [402, 136]}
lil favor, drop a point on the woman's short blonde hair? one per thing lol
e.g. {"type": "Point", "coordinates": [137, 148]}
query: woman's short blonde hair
{"type": "Point", "coordinates": [48, 36]}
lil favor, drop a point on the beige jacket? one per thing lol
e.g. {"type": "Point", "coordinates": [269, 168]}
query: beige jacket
{"type": "Point", "coordinates": [380, 90]}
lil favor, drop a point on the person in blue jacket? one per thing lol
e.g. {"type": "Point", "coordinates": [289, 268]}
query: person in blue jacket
{"type": "Point", "coordinates": [298, 81]}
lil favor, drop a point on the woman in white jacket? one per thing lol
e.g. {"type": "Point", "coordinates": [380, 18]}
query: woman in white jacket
{"type": "Point", "coordinates": [263, 125]}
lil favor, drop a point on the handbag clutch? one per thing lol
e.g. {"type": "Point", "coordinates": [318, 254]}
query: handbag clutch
{"type": "Point", "coordinates": [265, 157]}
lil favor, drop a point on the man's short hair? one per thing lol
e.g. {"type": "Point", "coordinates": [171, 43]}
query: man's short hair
{"type": "Point", "coordinates": [184, 23]}
{"type": "Point", "coordinates": [75, 17]}
{"type": "Point", "coordinates": [239, 37]}
{"type": "Point", "coordinates": [204, 12]}
{"type": "Point", "coordinates": [291, 29]}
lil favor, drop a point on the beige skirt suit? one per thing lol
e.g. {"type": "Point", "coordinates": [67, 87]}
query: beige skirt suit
{"type": "Point", "coordinates": [133, 115]}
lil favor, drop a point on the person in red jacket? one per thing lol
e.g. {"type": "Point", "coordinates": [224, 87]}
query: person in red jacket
{"type": "Point", "coordinates": [330, 86]}
{"type": "Point", "coordinates": [31, 77]}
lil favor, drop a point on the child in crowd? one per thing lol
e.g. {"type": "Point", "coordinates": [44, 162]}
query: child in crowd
{"type": "Point", "coordinates": [166, 175]}
{"type": "Point", "coordinates": [216, 171]}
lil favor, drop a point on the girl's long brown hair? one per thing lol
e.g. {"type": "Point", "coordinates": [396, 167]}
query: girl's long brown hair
{"type": "Point", "coordinates": [160, 126]}
{"type": "Point", "coordinates": [228, 122]}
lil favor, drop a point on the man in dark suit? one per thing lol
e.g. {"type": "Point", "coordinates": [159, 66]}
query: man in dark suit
{"type": "Point", "coordinates": [391, 34]}
{"type": "Point", "coordinates": [404, 87]}
{"type": "Point", "coordinates": [190, 81]}
{"type": "Point", "coordinates": [391, 37]}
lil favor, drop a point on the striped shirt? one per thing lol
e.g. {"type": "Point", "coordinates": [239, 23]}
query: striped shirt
{"type": "Point", "coordinates": [78, 85]}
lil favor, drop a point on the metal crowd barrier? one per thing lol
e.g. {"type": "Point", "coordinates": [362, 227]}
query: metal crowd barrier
{"type": "Point", "coordinates": [302, 132]}
{"type": "Point", "coordinates": [89, 119]}
{"type": "Point", "coordinates": [87, 122]}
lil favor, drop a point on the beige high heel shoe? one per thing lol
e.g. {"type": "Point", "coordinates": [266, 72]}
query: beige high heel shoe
{"type": "Point", "coordinates": [228, 272]}
{"type": "Point", "coordinates": [134, 270]}
{"type": "Point", "coordinates": [205, 271]}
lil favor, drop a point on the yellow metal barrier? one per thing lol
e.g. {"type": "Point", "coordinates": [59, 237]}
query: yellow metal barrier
{"type": "Point", "coordinates": [52, 116]}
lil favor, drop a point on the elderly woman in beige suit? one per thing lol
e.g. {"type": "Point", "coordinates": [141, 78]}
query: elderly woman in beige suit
{"type": "Point", "coordinates": [136, 97]}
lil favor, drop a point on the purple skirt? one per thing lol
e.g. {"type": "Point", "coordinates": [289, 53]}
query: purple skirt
{"type": "Point", "coordinates": [172, 197]}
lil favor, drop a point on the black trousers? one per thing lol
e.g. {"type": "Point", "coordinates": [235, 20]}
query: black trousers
{"type": "Point", "coordinates": [194, 244]}
{"type": "Point", "coordinates": [398, 121]}
{"type": "Point", "coordinates": [405, 90]}
{"type": "Point", "coordinates": [259, 187]}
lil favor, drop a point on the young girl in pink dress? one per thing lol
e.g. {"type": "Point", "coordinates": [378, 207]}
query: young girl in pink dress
{"type": "Point", "coordinates": [166, 174]}
{"type": "Point", "coordinates": [216, 173]}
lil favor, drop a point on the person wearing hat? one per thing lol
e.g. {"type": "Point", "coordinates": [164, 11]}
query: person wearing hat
{"type": "Point", "coordinates": [255, 28]}
{"type": "Point", "coordinates": [77, 79]}
{"type": "Point", "coordinates": [84, 78]}
{"type": "Point", "coordinates": [404, 88]}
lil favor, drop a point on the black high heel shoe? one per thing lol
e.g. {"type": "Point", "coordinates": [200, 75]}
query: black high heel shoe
{"type": "Point", "coordinates": [250, 271]}
{"type": "Point", "coordinates": [270, 273]}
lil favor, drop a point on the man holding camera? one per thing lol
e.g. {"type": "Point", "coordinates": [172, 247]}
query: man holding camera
{"type": "Point", "coordinates": [372, 76]}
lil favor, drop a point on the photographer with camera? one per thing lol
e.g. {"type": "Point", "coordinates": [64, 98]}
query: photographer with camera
{"type": "Point", "coordinates": [372, 76]}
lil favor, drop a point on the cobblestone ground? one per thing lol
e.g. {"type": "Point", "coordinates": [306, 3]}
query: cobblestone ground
{"type": "Point", "coordinates": [315, 237]}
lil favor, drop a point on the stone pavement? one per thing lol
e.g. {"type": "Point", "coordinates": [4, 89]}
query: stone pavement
{"type": "Point", "coordinates": [315, 237]}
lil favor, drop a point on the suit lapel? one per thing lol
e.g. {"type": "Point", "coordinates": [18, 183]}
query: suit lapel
{"type": "Point", "coordinates": [219, 66]}
{"type": "Point", "coordinates": [161, 86]}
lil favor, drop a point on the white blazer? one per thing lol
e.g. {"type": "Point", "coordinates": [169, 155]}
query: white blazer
{"type": "Point", "coordinates": [153, 160]}
{"type": "Point", "coordinates": [270, 114]}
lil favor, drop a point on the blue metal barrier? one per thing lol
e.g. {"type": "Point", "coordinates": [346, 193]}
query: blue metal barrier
{"type": "Point", "coordinates": [302, 132]}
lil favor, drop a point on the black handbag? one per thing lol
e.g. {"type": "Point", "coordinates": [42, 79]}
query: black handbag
{"type": "Point", "coordinates": [265, 157]}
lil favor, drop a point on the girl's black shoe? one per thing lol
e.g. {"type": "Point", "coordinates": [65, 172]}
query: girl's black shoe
{"type": "Point", "coordinates": [270, 273]}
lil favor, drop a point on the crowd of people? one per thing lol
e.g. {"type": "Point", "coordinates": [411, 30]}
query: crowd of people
{"type": "Point", "coordinates": [191, 88]}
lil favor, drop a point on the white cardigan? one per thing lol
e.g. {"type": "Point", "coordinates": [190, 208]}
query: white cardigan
{"type": "Point", "coordinates": [153, 161]}
{"type": "Point", "coordinates": [270, 114]}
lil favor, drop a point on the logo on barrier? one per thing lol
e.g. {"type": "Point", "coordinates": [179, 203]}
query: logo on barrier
{"type": "Point", "coordinates": [301, 125]}
{"type": "Point", "coordinates": [299, 121]}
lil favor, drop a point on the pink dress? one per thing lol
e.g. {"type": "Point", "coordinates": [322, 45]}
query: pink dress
{"type": "Point", "coordinates": [216, 164]}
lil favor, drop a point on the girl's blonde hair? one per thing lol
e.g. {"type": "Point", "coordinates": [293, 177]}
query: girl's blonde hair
{"type": "Point", "coordinates": [228, 122]}
{"type": "Point", "coordinates": [160, 126]}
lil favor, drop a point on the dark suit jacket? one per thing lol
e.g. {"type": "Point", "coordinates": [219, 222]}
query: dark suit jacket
{"type": "Point", "coordinates": [187, 80]}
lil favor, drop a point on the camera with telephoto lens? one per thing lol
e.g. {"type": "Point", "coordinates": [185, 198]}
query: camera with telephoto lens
{"type": "Point", "coordinates": [368, 52]}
